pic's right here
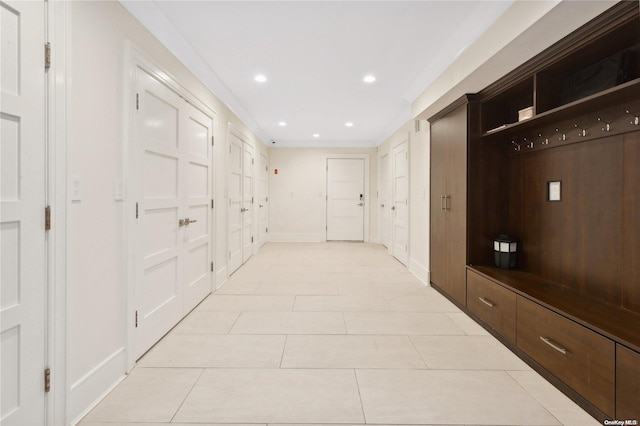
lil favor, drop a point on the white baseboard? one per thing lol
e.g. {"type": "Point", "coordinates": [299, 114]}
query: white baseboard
{"type": "Point", "coordinates": [91, 388]}
{"type": "Point", "coordinates": [420, 271]}
{"type": "Point", "coordinates": [295, 238]}
{"type": "Point", "coordinates": [221, 277]}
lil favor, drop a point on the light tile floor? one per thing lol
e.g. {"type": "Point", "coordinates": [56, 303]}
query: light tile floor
{"type": "Point", "coordinates": [331, 333]}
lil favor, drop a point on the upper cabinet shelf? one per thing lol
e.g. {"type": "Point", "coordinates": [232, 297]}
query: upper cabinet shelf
{"type": "Point", "coordinates": [584, 71]}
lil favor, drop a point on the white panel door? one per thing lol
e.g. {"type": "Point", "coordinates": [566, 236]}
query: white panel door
{"type": "Point", "coordinates": [23, 288]}
{"type": "Point", "coordinates": [345, 199]}
{"type": "Point", "coordinates": [263, 199]}
{"type": "Point", "coordinates": [160, 181]}
{"type": "Point", "coordinates": [173, 215]}
{"type": "Point", "coordinates": [234, 214]}
{"type": "Point", "coordinates": [196, 145]}
{"type": "Point", "coordinates": [247, 202]}
{"type": "Point", "coordinates": [384, 200]}
{"type": "Point", "coordinates": [400, 204]}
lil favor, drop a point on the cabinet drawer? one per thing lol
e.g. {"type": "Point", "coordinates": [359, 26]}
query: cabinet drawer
{"type": "Point", "coordinates": [582, 359]}
{"type": "Point", "coordinates": [493, 304]}
{"type": "Point", "coordinates": [627, 383]}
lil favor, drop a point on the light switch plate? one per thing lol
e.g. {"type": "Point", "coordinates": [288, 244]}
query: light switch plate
{"type": "Point", "coordinates": [554, 190]}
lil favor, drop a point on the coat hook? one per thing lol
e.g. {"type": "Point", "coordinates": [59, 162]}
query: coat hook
{"type": "Point", "coordinates": [636, 118]}
{"type": "Point", "coordinates": [545, 141]}
{"type": "Point", "coordinates": [606, 127]}
{"type": "Point", "coordinates": [528, 144]}
{"type": "Point", "coordinates": [582, 132]}
{"type": "Point", "coordinates": [563, 136]}
{"type": "Point", "coordinates": [517, 146]}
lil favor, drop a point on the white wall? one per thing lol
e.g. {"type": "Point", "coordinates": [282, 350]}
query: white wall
{"type": "Point", "coordinates": [297, 193]}
{"type": "Point", "coordinates": [96, 283]}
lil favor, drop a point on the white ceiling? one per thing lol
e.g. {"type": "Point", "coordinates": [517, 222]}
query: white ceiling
{"type": "Point", "coordinates": [315, 55]}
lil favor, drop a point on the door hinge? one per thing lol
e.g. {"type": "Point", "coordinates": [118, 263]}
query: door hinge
{"type": "Point", "coordinates": [47, 56]}
{"type": "Point", "coordinates": [213, 204]}
{"type": "Point", "coordinates": [47, 380]}
{"type": "Point", "coordinates": [251, 239]}
{"type": "Point", "coordinates": [266, 230]}
{"type": "Point", "coordinates": [251, 200]}
{"type": "Point", "coordinates": [136, 210]}
{"type": "Point", "coordinates": [212, 268]}
{"type": "Point", "coordinates": [213, 140]}
{"type": "Point", "coordinates": [47, 218]}
{"type": "Point", "coordinates": [137, 101]}
{"type": "Point", "coordinates": [252, 161]}
{"type": "Point", "coordinates": [136, 319]}
{"type": "Point", "coordinates": [266, 199]}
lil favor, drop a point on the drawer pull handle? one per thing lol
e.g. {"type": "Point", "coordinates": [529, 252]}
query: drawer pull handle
{"type": "Point", "coordinates": [554, 345]}
{"type": "Point", "coordinates": [486, 302]}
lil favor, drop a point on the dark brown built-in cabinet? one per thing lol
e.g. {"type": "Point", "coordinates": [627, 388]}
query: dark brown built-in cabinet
{"type": "Point", "coordinates": [571, 307]}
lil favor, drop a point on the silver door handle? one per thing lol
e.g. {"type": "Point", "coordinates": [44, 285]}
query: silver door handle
{"type": "Point", "coordinates": [181, 222]}
{"type": "Point", "coordinates": [381, 205]}
{"type": "Point", "coordinates": [261, 206]}
{"type": "Point", "coordinates": [188, 221]}
{"type": "Point", "coordinates": [244, 210]}
{"type": "Point", "coordinates": [393, 207]}
{"type": "Point", "coordinates": [361, 204]}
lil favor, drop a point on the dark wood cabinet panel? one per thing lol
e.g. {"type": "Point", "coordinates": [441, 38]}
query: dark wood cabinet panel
{"type": "Point", "coordinates": [582, 359]}
{"type": "Point", "coordinates": [627, 384]}
{"type": "Point", "coordinates": [493, 304]}
{"type": "Point", "coordinates": [631, 223]}
{"type": "Point", "coordinates": [448, 244]}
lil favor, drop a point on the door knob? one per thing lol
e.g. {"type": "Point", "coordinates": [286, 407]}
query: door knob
{"type": "Point", "coordinates": [181, 222]}
{"type": "Point", "coordinates": [188, 221]}
{"type": "Point", "coordinates": [361, 204]}
{"type": "Point", "coordinates": [393, 207]}
{"type": "Point", "coordinates": [261, 206]}
{"type": "Point", "coordinates": [381, 205]}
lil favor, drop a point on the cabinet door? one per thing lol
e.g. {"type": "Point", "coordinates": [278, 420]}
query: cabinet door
{"type": "Point", "coordinates": [627, 383]}
{"type": "Point", "coordinates": [438, 239]}
{"type": "Point", "coordinates": [456, 203]}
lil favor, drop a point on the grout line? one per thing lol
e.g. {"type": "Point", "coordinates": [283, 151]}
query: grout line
{"type": "Point", "coordinates": [364, 416]}
{"type": "Point", "coordinates": [284, 348]}
{"type": "Point", "coordinates": [187, 395]}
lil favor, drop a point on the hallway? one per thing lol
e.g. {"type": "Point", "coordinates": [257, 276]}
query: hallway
{"type": "Point", "coordinates": [331, 333]}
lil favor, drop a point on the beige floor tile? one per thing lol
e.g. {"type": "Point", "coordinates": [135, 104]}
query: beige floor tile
{"type": "Point", "coordinates": [448, 397]}
{"type": "Point", "coordinates": [298, 289]}
{"type": "Point", "coordinates": [197, 350]}
{"type": "Point", "coordinates": [206, 322]}
{"type": "Point", "coordinates": [543, 391]}
{"type": "Point", "coordinates": [429, 324]}
{"type": "Point", "coordinates": [404, 289]}
{"type": "Point", "coordinates": [394, 277]}
{"type": "Point", "coordinates": [244, 303]}
{"type": "Point", "coordinates": [165, 424]}
{"type": "Point", "coordinates": [289, 323]}
{"type": "Point", "coordinates": [350, 352]}
{"type": "Point", "coordinates": [342, 303]}
{"type": "Point", "coordinates": [469, 326]}
{"type": "Point", "coordinates": [238, 287]}
{"type": "Point", "coordinates": [575, 417]}
{"type": "Point", "coordinates": [147, 395]}
{"type": "Point", "coordinates": [430, 302]}
{"type": "Point", "coordinates": [466, 353]}
{"type": "Point", "coordinates": [273, 396]}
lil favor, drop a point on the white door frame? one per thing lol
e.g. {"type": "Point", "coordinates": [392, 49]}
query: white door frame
{"type": "Point", "coordinates": [232, 129]}
{"type": "Point", "coordinates": [367, 194]}
{"type": "Point", "coordinates": [379, 240]}
{"type": "Point", "coordinates": [134, 58]}
{"type": "Point", "coordinates": [394, 145]}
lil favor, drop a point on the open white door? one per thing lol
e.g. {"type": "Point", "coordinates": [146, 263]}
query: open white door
{"type": "Point", "coordinates": [234, 213]}
{"type": "Point", "coordinates": [400, 204]}
{"type": "Point", "coordinates": [247, 202]}
{"type": "Point", "coordinates": [173, 214]}
{"type": "Point", "coordinates": [345, 199]}
{"type": "Point", "coordinates": [23, 288]}
{"type": "Point", "coordinates": [384, 202]}
{"type": "Point", "coordinates": [263, 199]}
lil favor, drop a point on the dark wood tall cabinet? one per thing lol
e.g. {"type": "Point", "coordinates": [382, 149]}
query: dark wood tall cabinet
{"type": "Point", "coordinates": [569, 118]}
{"type": "Point", "coordinates": [451, 130]}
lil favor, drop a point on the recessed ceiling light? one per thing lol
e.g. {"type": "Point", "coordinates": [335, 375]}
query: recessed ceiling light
{"type": "Point", "coordinates": [260, 78]}
{"type": "Point", "coordinates": [369, 78]}
{"type": "Point", "coordinates": [348, 124]}
{"type": "Point", "coordinates": [316, 135]}
{"type": "Point", "coordinates": [282, 123]}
